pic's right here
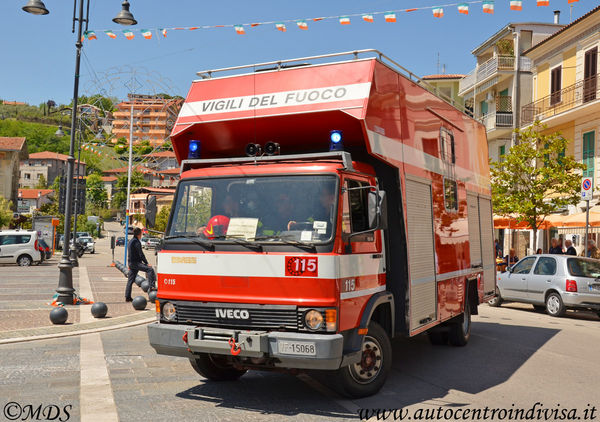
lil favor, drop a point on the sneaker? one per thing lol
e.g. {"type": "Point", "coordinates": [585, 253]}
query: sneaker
{"type": "Point", "coordinates": [128, 299]}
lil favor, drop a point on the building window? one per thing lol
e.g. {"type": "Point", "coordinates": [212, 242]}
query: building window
{"type": "Point", "coordinates": [447, 146]}
{"type": "Point", "coordinates": [588, 153]}
{"type": "Point", "coordinates": [27, 176]}
{"type": "Point", "coordinates": [38, 175]}
{"type": "Point", "coordinates": [501, 152]}
{"type": "Point", "coordinates": [555, 85]}
{"type": "Point", "coordinates": [483, 106]}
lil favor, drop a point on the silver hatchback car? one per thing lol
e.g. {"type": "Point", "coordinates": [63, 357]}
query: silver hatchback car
{"type": "Point", "coordinates": [553, 283]}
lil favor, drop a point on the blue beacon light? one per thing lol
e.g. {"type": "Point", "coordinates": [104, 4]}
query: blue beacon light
{"type": "Point", "coordinates": [194, 149]}
{"type": "Point", "coordinates": [335, 141]}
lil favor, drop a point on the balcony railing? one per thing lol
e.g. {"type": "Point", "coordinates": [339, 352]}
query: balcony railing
{"type": "Point", "coordinates": [491, 67]}
{"type": "Point", "coordinates": [497, 119]}
{"type": "Point", "coordinates": [570, 97]}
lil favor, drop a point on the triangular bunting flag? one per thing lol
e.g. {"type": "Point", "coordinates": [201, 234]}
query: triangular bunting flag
{"type": "Point", "coordinates": [516, 5]}
{"type": "Point", "coordinates": [239, 29]}
{"type": "Point", "coordinates": [543, 2]}
{"type": "Point", "coordinates": [438, 12]}
{"type": "Point", "coordinates": [280, 26]}
{"type": "Point", "coordinates": [128, 34]}
{"type": "Point", "coordinates": [252, 25]}
{"type": "Point", "coordinates": [302, 25]}
{"type": "Point", "coordinates": [368, 18]}
{"type": "Point", "coordinates": [146, 33]}
{"type": "Point", "coordinates": [317, 19]}
{"type": "Point", "coordinates": [390, 17]}
{"type": "Point", "coordinates": [111, 34]}
{"type": "Point", "coordinates": [488, 7]}
{"type": "Point", "coordinates": [193, 28]}
{"type": "Point", "coordinates": [90, 35]}
{"type": "Point", "coordinates": [572, 1]}
{"type": "Point", "coordinates": [411, 10]}
{"type": "Point", "coordinates": [163, 32]}
{"type": "Point", "coordinates": [463, 8]}
{"type": "Point", "coordinates": [345, 20]}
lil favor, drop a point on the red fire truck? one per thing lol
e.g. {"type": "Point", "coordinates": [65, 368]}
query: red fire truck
{"type": "Point", "coordinates": [326, 205]}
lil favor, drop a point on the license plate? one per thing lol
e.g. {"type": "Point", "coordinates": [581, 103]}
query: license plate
{"type": "Point", "coordinates": [297, 348]}
{"type": "Point", "coordinates": [595, 288]}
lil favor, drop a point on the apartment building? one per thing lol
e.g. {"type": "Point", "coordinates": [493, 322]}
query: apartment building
{"type": "Point", "coordinates": [446, 86]}
{"type": "Point", "coordinates": [45, 163]}
{"type": "Point", "coordinates": [153, 118]}
{"type": "Point", "coordinates": [502, 80]}
{"type": "Point", "coordinates": [566, 95]}
{"type": "Point", "coordinates": [12, 151]}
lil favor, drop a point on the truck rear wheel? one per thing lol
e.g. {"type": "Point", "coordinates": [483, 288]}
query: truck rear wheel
{"type": "Point", "coordinates": [215, 368]}
{"type": "Point", "coordinates": [460, 330]}
{"type": "Point", "coordinates": [366, 377]}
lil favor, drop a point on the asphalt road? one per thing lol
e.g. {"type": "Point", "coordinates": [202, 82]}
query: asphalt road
{"type": "Point", "coordinates": [515, 358]}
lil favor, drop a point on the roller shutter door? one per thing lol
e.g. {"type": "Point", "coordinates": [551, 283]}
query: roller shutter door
{"type": "Point", "coordinates": [474, 230]}
{"type": "Point", "coordinates": [421, 256]}
{"type": "Point", "coordinates": [487, 245]}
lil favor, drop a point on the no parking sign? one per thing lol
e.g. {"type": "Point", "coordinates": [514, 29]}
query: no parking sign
{"type": "Point", "coordinates": [586, 188]}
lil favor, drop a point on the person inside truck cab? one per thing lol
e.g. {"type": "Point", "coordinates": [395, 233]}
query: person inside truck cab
{"type": "Point", "coordinates": [217, 225]}
{"type": "Point", "coordinates": [322, 212]}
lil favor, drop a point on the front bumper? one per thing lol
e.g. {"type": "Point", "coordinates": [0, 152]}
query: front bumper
{"type": "Point", "coordinates": [167, 339]}
{"type": "Point", "coordinates": [581, 300]}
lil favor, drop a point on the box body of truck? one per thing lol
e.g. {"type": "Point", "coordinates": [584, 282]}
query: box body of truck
{"type": "Point", "coordinates": [363, 213]}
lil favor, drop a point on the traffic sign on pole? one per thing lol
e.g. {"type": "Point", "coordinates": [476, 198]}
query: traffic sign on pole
{"type": "Point", "coordinates": [586, 188]}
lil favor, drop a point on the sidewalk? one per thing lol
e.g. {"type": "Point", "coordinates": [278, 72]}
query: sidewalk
{"type": "Point", "coordinates": [25, 294]}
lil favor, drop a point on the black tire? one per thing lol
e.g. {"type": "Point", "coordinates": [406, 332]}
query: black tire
{"type": "Point", "coordinates": [539, 308]}
{"type": "Point", "coordinates": [438, 338]}
{"type": "Point", "coordinates": [24, 261]}
{"type": "Point", "coordinates": [368, 376]}
{"type": "Point", "coordinates": [215, 368]}
{"type": "Point", "coordinates": [497, 300]}
{"type": "Point", "coordinates": [460, 330]}
{"type": "Point", "coordinates": [554, 305]}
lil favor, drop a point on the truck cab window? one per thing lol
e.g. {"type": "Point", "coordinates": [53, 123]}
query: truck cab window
{"type": "Point", "coordinates": [355, 217]}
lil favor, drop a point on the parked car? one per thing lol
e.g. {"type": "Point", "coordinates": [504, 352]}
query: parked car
{"type": "Point", "coordinates": [19, 247]}
{"type": "Point", "coordinates": [553, 283]}
{"type": "Point", "coordinates": [45, 248]}
{"type": "Point", "coordinates": [143, 241]}
{"type": "Point", "coordinates": [120, 241]}
{"type": "Point", "coordinates": [152, 243]}
{"type": "Point", "coordinates": [61, 242]}
{"type": "Point", "coordinates": [88, 243]}
{"type": "Point", "coordinates": [80, 234]}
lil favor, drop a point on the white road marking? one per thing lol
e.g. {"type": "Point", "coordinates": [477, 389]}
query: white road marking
{"type": "Point", "coordinates": [96, 398]}
{"type": "Point", "coordinates": [85, 290]}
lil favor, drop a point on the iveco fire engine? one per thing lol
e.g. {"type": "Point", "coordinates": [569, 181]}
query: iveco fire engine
{"type": "Point", "coordinates": [326, 205]}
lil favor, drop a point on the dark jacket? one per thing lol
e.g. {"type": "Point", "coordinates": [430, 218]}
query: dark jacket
{"type": "Point", "coordinates": [557, 250]}
{"type": "Point", "coordinates": [571, 251]}
{"type": "Point", "coordinates": [135, 254]}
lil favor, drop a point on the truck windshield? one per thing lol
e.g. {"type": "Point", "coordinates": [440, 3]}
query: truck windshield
{"type": "Point", "coordinates": [257, 209]}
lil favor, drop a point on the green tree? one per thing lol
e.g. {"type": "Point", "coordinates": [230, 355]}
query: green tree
{"type": "Point", "coordinates": [535, 178]}
{"type": "Point", "coordinates": [6, 212]}
{"type": "Point", "coordinates": [96, 194]}
{"type": "Point", "coordinates": [42, 182]}
{"type": "Point", "coordinates": [120, 196]}
{"type": "Point", "coordinates": [162, 218]}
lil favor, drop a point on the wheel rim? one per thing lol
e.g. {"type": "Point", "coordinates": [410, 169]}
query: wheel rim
{"type": "Point", "coordinates": [24, 262]}
{"type": "Point", "coordinates": [370, 363]}
{"type": "Point", "coordinates": [553, 304]}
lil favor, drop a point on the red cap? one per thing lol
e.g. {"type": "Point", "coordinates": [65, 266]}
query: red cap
{"type": "Point", "coordinates": [216, 226]}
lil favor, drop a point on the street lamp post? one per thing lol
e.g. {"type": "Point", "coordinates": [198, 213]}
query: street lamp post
{"type": "Point", "coordinates": [65, 279]}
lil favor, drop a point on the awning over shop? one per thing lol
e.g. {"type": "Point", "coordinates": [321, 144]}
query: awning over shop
{"type": "Point", "coordinates": [510, 222]}
{"type": "Point", "coordinates": [574, 223]}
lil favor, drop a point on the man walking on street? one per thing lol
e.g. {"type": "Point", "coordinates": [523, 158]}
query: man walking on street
{"type": "Point", "coordinates": [137, 262]}
{"type": "Point", "coordinates": [555, 248]}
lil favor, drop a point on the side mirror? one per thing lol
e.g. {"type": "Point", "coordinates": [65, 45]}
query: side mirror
{"type": "Point", "coordinates": [377, 210]}
{"type": "Point", "coordinates": [151, 211]}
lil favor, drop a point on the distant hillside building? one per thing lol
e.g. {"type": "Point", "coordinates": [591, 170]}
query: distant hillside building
{"type": "Point", "coordinates": [46, 163]}
{"type": "Point", "coordinates": [12, 151]}
{"type": "Point", "coordinates": [153, 118]}
{"type": "Point", "coordinates": [32, 199]}
{"type": "Point", "coordinates": [161, 160]}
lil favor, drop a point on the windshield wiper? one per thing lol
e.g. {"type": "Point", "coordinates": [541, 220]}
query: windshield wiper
{"type": "Point", "coordinates": [194, 238]}
{"type": "Point", "coordinates": [305, 245]}
{"type": "Point", "coordinates": [240, 241]}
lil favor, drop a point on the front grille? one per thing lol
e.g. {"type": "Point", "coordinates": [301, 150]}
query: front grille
{"type": "Point", "coordinates": [260, 316]}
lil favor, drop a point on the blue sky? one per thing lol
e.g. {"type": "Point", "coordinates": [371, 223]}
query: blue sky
{"type": "Point", "coordinates": [38, 52]}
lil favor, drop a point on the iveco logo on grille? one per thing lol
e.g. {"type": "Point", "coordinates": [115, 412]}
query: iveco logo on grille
{"type": "Point", "coordinates": [232, 313]}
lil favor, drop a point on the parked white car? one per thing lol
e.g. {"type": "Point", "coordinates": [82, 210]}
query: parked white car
{"type": "Point", "coordinates": [88, 243]}
{"type": "Point", "coordinates": [553, 283]}
{"type": "Point", "coordinates": [19, 247]}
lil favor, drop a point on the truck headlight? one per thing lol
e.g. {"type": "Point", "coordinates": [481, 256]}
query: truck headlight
{"type": "Point", "coordinates": [313, 319]}
{"type": "Point", "coordinates": [168, 311]}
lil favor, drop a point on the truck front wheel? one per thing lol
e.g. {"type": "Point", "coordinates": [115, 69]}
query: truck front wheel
{"type": "Point", "coordinates": [366, 377]}
{"type": "Point", "coordinates": [215, 368]}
